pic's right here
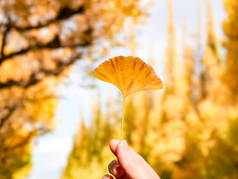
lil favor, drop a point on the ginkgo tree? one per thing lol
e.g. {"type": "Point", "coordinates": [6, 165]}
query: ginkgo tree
{"type": "Point", "coordinates": [187, 131]}
{"type": "Point", "coordinates": [39, 41]}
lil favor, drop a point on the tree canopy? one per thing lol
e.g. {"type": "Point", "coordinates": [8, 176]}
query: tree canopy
{"type": "Point", "coordinates": [39, 41]}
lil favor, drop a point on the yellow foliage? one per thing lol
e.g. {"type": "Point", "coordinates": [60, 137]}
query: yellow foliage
{"type": "Point", "coordinates": [189, 131]}
{"type": "Point", "coordinates": [37, 50]}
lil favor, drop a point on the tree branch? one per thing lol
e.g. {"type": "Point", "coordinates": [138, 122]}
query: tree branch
{"type": "Point", "coordinates": [6, 117]}
{"type": "Point", "coordinates": [33, 79]}
{"type": "Point", "coordinates": [64, 13]}
{"type": "Point", "coordinates": [54, 44]}
{"type": "Point", "coordinates": [11, 109]}
{"type": "Point", "coordinates": [26, 140]}
{"type": "Point", "coordinates": [4, 40]}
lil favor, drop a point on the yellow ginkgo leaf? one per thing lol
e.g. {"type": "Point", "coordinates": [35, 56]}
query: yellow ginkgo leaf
{"type": "Point", "coordinates": [129, 74]}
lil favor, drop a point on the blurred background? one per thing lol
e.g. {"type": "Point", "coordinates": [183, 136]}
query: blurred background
{"type": "Point", "coordinates": [56, 120]}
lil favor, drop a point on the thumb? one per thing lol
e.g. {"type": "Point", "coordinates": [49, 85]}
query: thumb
{"type": "Point", "coordinates": [133, 164]}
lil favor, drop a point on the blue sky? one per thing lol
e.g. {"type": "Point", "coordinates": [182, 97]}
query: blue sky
{"type": "Point", "coordinates": [51, 151]}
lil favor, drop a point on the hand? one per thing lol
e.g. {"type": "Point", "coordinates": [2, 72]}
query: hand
{"type": "Point", "coordinates": [129, 165]}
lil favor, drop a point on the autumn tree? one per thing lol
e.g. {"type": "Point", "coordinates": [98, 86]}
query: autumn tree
{"type": "Point", "coordinates": [39, 41]}
{"type": "Point", "coordinates": [90, 153]}
{"type": "Point", "coordinates": [230, 29]}
{"type": "Point", "coordinates": [189, 130]}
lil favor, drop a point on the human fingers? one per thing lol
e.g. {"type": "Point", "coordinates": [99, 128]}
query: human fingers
{"type": "Point", "coordinates": [132, 163]}
{"type": "Point", "coordinates": [115, 169]}
{"type": "Point", "coordinates": [113, 145]}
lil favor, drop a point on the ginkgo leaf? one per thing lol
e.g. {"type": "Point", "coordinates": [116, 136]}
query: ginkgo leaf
{"type": "Point", "coordinates": [129, 74]}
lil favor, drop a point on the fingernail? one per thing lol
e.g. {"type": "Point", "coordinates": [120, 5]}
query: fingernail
{"type": "Point", "coordinates": [124, 146]}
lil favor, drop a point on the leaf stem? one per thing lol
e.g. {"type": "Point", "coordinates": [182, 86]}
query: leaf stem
{"type": "Point", "coordinates": [123, 116]}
